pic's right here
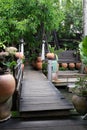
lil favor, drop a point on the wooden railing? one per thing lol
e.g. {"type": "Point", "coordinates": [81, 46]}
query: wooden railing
{"type": "Point", "coordinates": [18, 75]}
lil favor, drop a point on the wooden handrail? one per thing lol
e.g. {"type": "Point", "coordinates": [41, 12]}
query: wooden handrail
{"type": "Point", "coordinates": [18, 75]}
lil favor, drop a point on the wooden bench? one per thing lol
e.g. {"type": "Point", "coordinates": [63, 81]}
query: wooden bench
{"type": "Point", "coordinates": [68, 56]}
{"type": "Point", "coordinates": [18, 75]}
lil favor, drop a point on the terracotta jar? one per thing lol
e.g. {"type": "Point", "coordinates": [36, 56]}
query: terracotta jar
{"type": "Point", "coordinates": [7, 88]}
{"type": "Point", "coordinates": [50, 55]}
{"type": "Point", "coordinates": [80, 103]}
{"type": "Point", "coordinates": [78, 65]}
{"type": "Point", "coordinates": [39, 59]}
{"type": "Point", "coordinates": [39, 65]}
{"type": "Point", "coordinates": [71, 65]}
{"type": "Point", "coordinates": [64, 65]}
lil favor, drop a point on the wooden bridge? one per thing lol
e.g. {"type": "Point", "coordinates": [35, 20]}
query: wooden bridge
{"type": "Point", "coordinates": [40, 98]}
{"type": "Point", "coordinates": [36, 96]}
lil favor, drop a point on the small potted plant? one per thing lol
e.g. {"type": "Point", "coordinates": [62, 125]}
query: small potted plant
{"type": "Point", "coordinates": [79, 98]}
{"type": "Point", "coordinates": [51, 53]}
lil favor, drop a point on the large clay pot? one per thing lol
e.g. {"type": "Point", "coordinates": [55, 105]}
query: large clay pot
{"type": "Point", "coordinates": [39, 65]}
{"type": "Point", "coordinates": [80, 104]}
{"type": "Point", "coordinates": [7, 88]}
{"type": "Point", "coordinates": [39, 59]}
{"type": "Point", "coordinates": [5, 109]}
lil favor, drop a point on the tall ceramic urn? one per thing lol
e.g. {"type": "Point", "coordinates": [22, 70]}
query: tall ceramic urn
{"type": "Point", "coordinates": [7, 88]}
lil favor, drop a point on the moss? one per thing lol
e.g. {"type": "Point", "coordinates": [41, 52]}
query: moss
{"type": "Point", "coordinates": [15, 114]}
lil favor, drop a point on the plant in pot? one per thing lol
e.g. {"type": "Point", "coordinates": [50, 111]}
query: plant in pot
{"type": "Point", "coordinates": [7, 81]}
{"type": "Point", "coordinates": [52, 61]}
{"type": "Point", "coordinates": [52, 57]}
{"type": "Point", "coordinates": [51, 53]}
{"type": "Point", "coordinates": [79, 98]}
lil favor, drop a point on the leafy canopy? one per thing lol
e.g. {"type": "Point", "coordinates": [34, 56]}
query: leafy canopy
{"type": "Point", "coordinates": [21, 18]}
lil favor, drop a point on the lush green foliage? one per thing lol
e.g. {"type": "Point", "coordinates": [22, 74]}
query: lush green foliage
{"type": "Point", "coordinates": [81, 86]}
{"type": "Point", "coordinates": [71, 27]}
{"type": "Point", "coordinates": [32, 19]}
{"type": "Point", "coordinates": [20, 18]}
{"type": "Point", "coordinates": [83, 50]}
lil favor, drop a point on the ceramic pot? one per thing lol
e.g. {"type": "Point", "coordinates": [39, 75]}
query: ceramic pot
{"type": "Point", "coordinates": [50, 55]}
{"type": "Point", "coordinates": [71, 66]}
{"type": "Point", "coordinates": [80, 104]}
{"type": "Point", "coordinates": [5, 109]}
{"type": "Point", "coordinates": [39, 59]}
{"type": "Point", "coordinates": [39, 65]}
{"type": "Point", "coordinates": [7, 88]}
{"type": "Point", "coordinates": [78, 65]}
{"type": "Point", "coordinates": [64, 65]}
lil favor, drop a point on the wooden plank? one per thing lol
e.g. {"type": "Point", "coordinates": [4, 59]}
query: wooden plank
{"type": "Point", "coordinates": [45, 107]}
{"type": "Point", "coordinates": [39, 102]}
{"type": "Point", "coordinates": [44, 114]}
{"type": "Point", "coordinates": [58, 124]}
{"type": "Point", "coordinates": [45, 100]}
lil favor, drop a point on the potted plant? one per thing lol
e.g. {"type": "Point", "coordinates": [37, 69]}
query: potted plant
{"type": "Point", "coordinates": [51, 53]}
{"type": "Point", "coordinates": [7, 81]}
{"type": "Point", "coordinates": [79, 98]}
{"type": "Point", "coordinates": [52, 57]}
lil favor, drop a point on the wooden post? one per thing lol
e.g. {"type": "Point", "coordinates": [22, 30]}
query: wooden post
{"type": "Point", "coordinates": [43, 51]}
{"type": "Point", "coordinates": [22, 46]}
{"type": "Point", "coordinates": [49, 75]}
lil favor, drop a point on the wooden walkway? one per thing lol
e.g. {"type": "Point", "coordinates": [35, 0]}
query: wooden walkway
{"type": "Point", "coordinates": [30, 101]}
{"type": "Point", "coordinates": [39, 97]}
{"type": "Point", "coordinates": [65, 124]}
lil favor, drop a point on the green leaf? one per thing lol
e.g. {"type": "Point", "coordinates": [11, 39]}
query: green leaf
{"type": "Point", "coordinates": [84, 42]}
